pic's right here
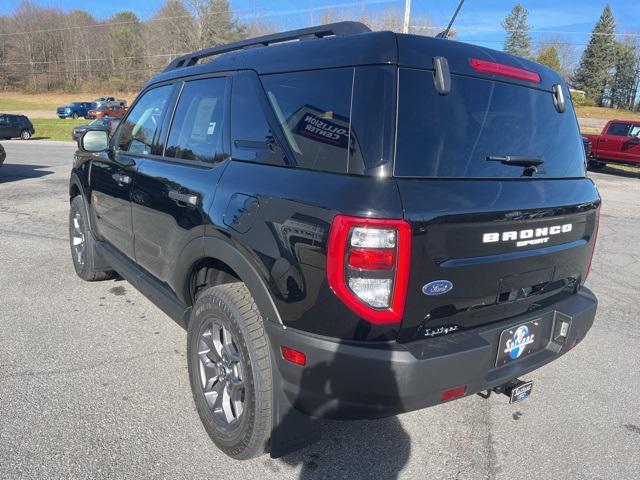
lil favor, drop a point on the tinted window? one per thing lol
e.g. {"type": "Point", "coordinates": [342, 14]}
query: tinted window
{"type": "Point", "coordinates": [137, 131]}
{"type": "Point", "coordinates": [618, 129]}
{"type": "Point", "coordinates": [314, 111]}
{"type": "Point", "coordinates": [452, 135]}
{"type": "Point", "coordinates": [197, 124]}
{"type": "Point", "coordinates": [251, 136]}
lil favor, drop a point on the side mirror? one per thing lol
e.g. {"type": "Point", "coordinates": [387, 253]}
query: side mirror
{"type": "Point", "coordinates": [94, 141]}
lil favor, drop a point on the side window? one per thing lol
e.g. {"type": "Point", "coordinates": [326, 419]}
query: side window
{"type": "Point", "coordinates": [618, 129]}
{"type": "Point", "coordinates": [251, 136]}
{"type": "Point", "coordinates": [137, 131]}
{"type": "Point", "coordinates": [314, 110]}
{"type": "Point", "coordinates": [635, 131]}
{"type": "Point", "coordinates": [196, 130]}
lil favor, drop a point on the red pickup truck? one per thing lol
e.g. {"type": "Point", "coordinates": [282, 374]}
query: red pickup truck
{"type": "Point", "coordinates": [619, 142]}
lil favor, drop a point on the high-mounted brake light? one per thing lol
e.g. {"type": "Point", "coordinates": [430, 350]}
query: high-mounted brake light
{"type": "Point", "coordinates": [493, 68]}
{"type": "Point", "coordinates": [368, 266]}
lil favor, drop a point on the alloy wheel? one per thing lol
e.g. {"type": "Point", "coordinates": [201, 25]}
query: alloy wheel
{"type": "Point", "coordinates": [77, 238]}
{"type": "Point", "coordinates": [221, 372]}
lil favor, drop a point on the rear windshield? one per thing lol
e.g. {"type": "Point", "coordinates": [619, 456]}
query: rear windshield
{"type": "Point", "coordinates": [452, 135]}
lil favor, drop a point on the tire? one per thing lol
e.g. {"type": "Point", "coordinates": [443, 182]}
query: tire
{"type": "Point", "coordinates": [25, 134]}
{"type": "Point", "coordinates": [226, 347]}
{"type": "Point", "coordinates": [82, 244]}
{"type": "Point", "coordinates": [596, 165]}
{"type": "Point", "coordinates": [74, 115]}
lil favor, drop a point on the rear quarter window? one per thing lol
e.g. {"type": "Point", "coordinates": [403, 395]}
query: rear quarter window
{"type": "Point", "coordinates": [452, 135]}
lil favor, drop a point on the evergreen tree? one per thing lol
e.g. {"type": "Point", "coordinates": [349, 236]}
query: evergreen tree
{"type": "Point", "coordinates": [597, 60]}
{"type": "Point", "coordinates": [549, 57]}
{"type": "Point", "coordinates": [623, 83]}
{"type": "Point", "coordinates": [518, 41]}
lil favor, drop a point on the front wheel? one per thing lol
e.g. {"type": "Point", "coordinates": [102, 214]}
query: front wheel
{"type": "Point", "coordinates": [596, 165]}
{"type": "Point", "coordinates": [25, 134]}
{"type": "Point", "coordinates": [230, 370]}
{"type": "Point", "coordinates": [74, 115]}
{"type": "Point", "coordinates": [82, 244]}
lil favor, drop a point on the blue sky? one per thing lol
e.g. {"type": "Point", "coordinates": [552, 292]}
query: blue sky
{"type": "Point", "coordinates": [479, 21]}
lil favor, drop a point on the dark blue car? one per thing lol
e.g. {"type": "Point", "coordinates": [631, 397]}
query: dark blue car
{"type": "Point", "coordinates": [75, 110]}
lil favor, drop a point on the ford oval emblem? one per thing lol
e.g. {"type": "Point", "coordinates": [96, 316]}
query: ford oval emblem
{"type": "Point", "coordinates": [437, 287]}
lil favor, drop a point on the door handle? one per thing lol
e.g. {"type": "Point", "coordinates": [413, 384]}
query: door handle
{"type": "Point", "coordinates": [125, 179]}
{"type": "Point", "coordinates": [183, 197]}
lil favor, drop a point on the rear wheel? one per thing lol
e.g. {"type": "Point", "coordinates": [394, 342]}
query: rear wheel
{"type": "Point", "coordinates": [82, 244]}
{"type": "Point", "coordinates": [25, 134]}
{"type": "Point", "coordinates": [230, 370]}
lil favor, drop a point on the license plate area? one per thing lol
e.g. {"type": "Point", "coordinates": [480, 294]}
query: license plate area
{"type": "Point", "coordinates": [520, 392]}
{"type": "Point", "coordinates": [520, 341]}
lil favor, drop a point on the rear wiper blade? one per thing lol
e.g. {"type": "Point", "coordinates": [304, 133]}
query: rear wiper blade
{"type": "Point", "coordinates": [516, 160]}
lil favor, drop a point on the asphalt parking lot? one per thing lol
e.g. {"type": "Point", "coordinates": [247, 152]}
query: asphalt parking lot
{"type": "Point", "coordinates": [93, 379]}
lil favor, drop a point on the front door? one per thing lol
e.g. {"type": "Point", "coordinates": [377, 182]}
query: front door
{"type": "Point", "coordinates": [610, 145]}
{"type": "Point", "coordinates": [113, 174]}
{"type": "Point", "coordinates": [172, 193]}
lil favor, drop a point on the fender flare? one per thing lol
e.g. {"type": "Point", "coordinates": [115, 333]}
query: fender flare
{"type": "Point", "coordinates": [74, 181]}
{"type": "Point", "coordinates": [221, 248]}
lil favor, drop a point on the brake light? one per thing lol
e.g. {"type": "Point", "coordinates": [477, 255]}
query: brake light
{"type": "Point", "coordinates": [494, 68]}
{"type": "Point", "coordinates": [368, 266]}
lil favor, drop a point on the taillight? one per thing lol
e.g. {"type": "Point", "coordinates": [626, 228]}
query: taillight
{"type": "Point", "coordinates": [368, 266]}
{"type": "Point", "coordinates": [494, 68]}
{"type": "Point", "coordinates": [595, 239]}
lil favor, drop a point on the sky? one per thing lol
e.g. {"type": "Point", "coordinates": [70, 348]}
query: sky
{"type": "Point", "coordinates": [479, 21]}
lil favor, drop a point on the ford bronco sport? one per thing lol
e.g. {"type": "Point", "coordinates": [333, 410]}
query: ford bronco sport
{"type": "Point", "coordinates": [352, 225]}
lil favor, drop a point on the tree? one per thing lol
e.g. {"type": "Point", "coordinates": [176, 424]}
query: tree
{"type": "Point", "coordinates": [549, 57]}
{"type": "Point", "coordinates": [594, 72]}
{"type": "Point", "coordinates": [518, 41]}
{"type": "Point", "coordinates": [623, 87]}
{"type": "Point", "coordinates": [215, 23]}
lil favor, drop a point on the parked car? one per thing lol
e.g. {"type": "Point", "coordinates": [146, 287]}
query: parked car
{"type": "Point", "coordinates": [586, 143]}
{"type": "Point", "coordinates": [108, 124]}
{"type": "Point", "coordinates": [75, 110]}
{"type": "Point", "coordinates": [3, 155]}
{"type": "Point", "coordinates": [105, 111]}
{"type": "Point", "coordinates": [619, 142]}
{"type": "Point", "coordinates": [109, 102]}
{"type": "Point", "coordinates": [12, 126]}
{"type": "Point", "coordinates": [352, 226]}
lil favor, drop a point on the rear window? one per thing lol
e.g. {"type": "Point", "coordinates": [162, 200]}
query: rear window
{"type": "Point", "coordinates": [452, 135]}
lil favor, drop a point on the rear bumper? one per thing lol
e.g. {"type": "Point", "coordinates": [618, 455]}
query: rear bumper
{"type": "Point", "coordinates": [349, 381]}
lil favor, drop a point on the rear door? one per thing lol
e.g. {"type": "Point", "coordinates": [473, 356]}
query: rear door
{"type": "Point", "coordinates": [175, 187]}
{"type": "Point", "coordinates": [631, 147]}
{"type": "Point", "coordinates": [490, 240]}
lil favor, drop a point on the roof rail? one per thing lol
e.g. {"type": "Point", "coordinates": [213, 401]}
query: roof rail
{"type": "Point", "coordinates": [331, 29]}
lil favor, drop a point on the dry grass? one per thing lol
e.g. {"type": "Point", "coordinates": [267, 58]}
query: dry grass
{"type": "Point", "coordinates": [606, 113]}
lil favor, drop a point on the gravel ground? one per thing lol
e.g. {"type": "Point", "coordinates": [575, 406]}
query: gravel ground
{"type": "Point", "coordinates": [93, 378]}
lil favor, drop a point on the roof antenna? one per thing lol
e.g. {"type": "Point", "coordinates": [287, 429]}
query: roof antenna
{"type": "Point", "coordinates": [445, 32]}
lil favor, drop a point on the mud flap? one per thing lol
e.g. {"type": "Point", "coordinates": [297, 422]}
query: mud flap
{"type": "Point", "coordinates": [291, 429]}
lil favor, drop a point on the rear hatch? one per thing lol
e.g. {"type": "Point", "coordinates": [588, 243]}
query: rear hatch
{"type": "Point", "coordinates": [490, 240]}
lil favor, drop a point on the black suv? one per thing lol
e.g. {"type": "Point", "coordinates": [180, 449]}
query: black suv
{"type": "Point", "coordinates": [352, 225]}
{"type": "Point", "coordinates": [12, 126]}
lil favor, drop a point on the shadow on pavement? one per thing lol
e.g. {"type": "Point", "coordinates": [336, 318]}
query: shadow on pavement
{"type": "Point", "coordinates": [11, 172]}
{"type": "Point", "coordinates": [377, 449]}
{"type": "Point", "coordinates": [618, 172]}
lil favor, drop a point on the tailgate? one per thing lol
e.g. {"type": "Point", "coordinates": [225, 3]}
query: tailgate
{"type": "Point", "coordinates": [505, 246]}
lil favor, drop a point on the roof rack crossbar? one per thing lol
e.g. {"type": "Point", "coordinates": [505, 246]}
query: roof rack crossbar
{"type": "Point", "coordinates": [332, 29]}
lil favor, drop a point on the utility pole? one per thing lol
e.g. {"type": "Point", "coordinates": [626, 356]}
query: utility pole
{"type": "Point", "coordinates": [407, 16]}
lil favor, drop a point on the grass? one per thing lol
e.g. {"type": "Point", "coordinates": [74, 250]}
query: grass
{"type": "Point", "coordinates": [28, 104]}
{"type": "Point", "coordinates": [606, 113]}
{"type": "Point", "coordinates": [55, 128]}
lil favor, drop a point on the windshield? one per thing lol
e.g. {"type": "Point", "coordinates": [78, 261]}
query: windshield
{"type": "Point", "coordinates": [99, 121]}
{"type": "Point", "coordinates": [453, 135]}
